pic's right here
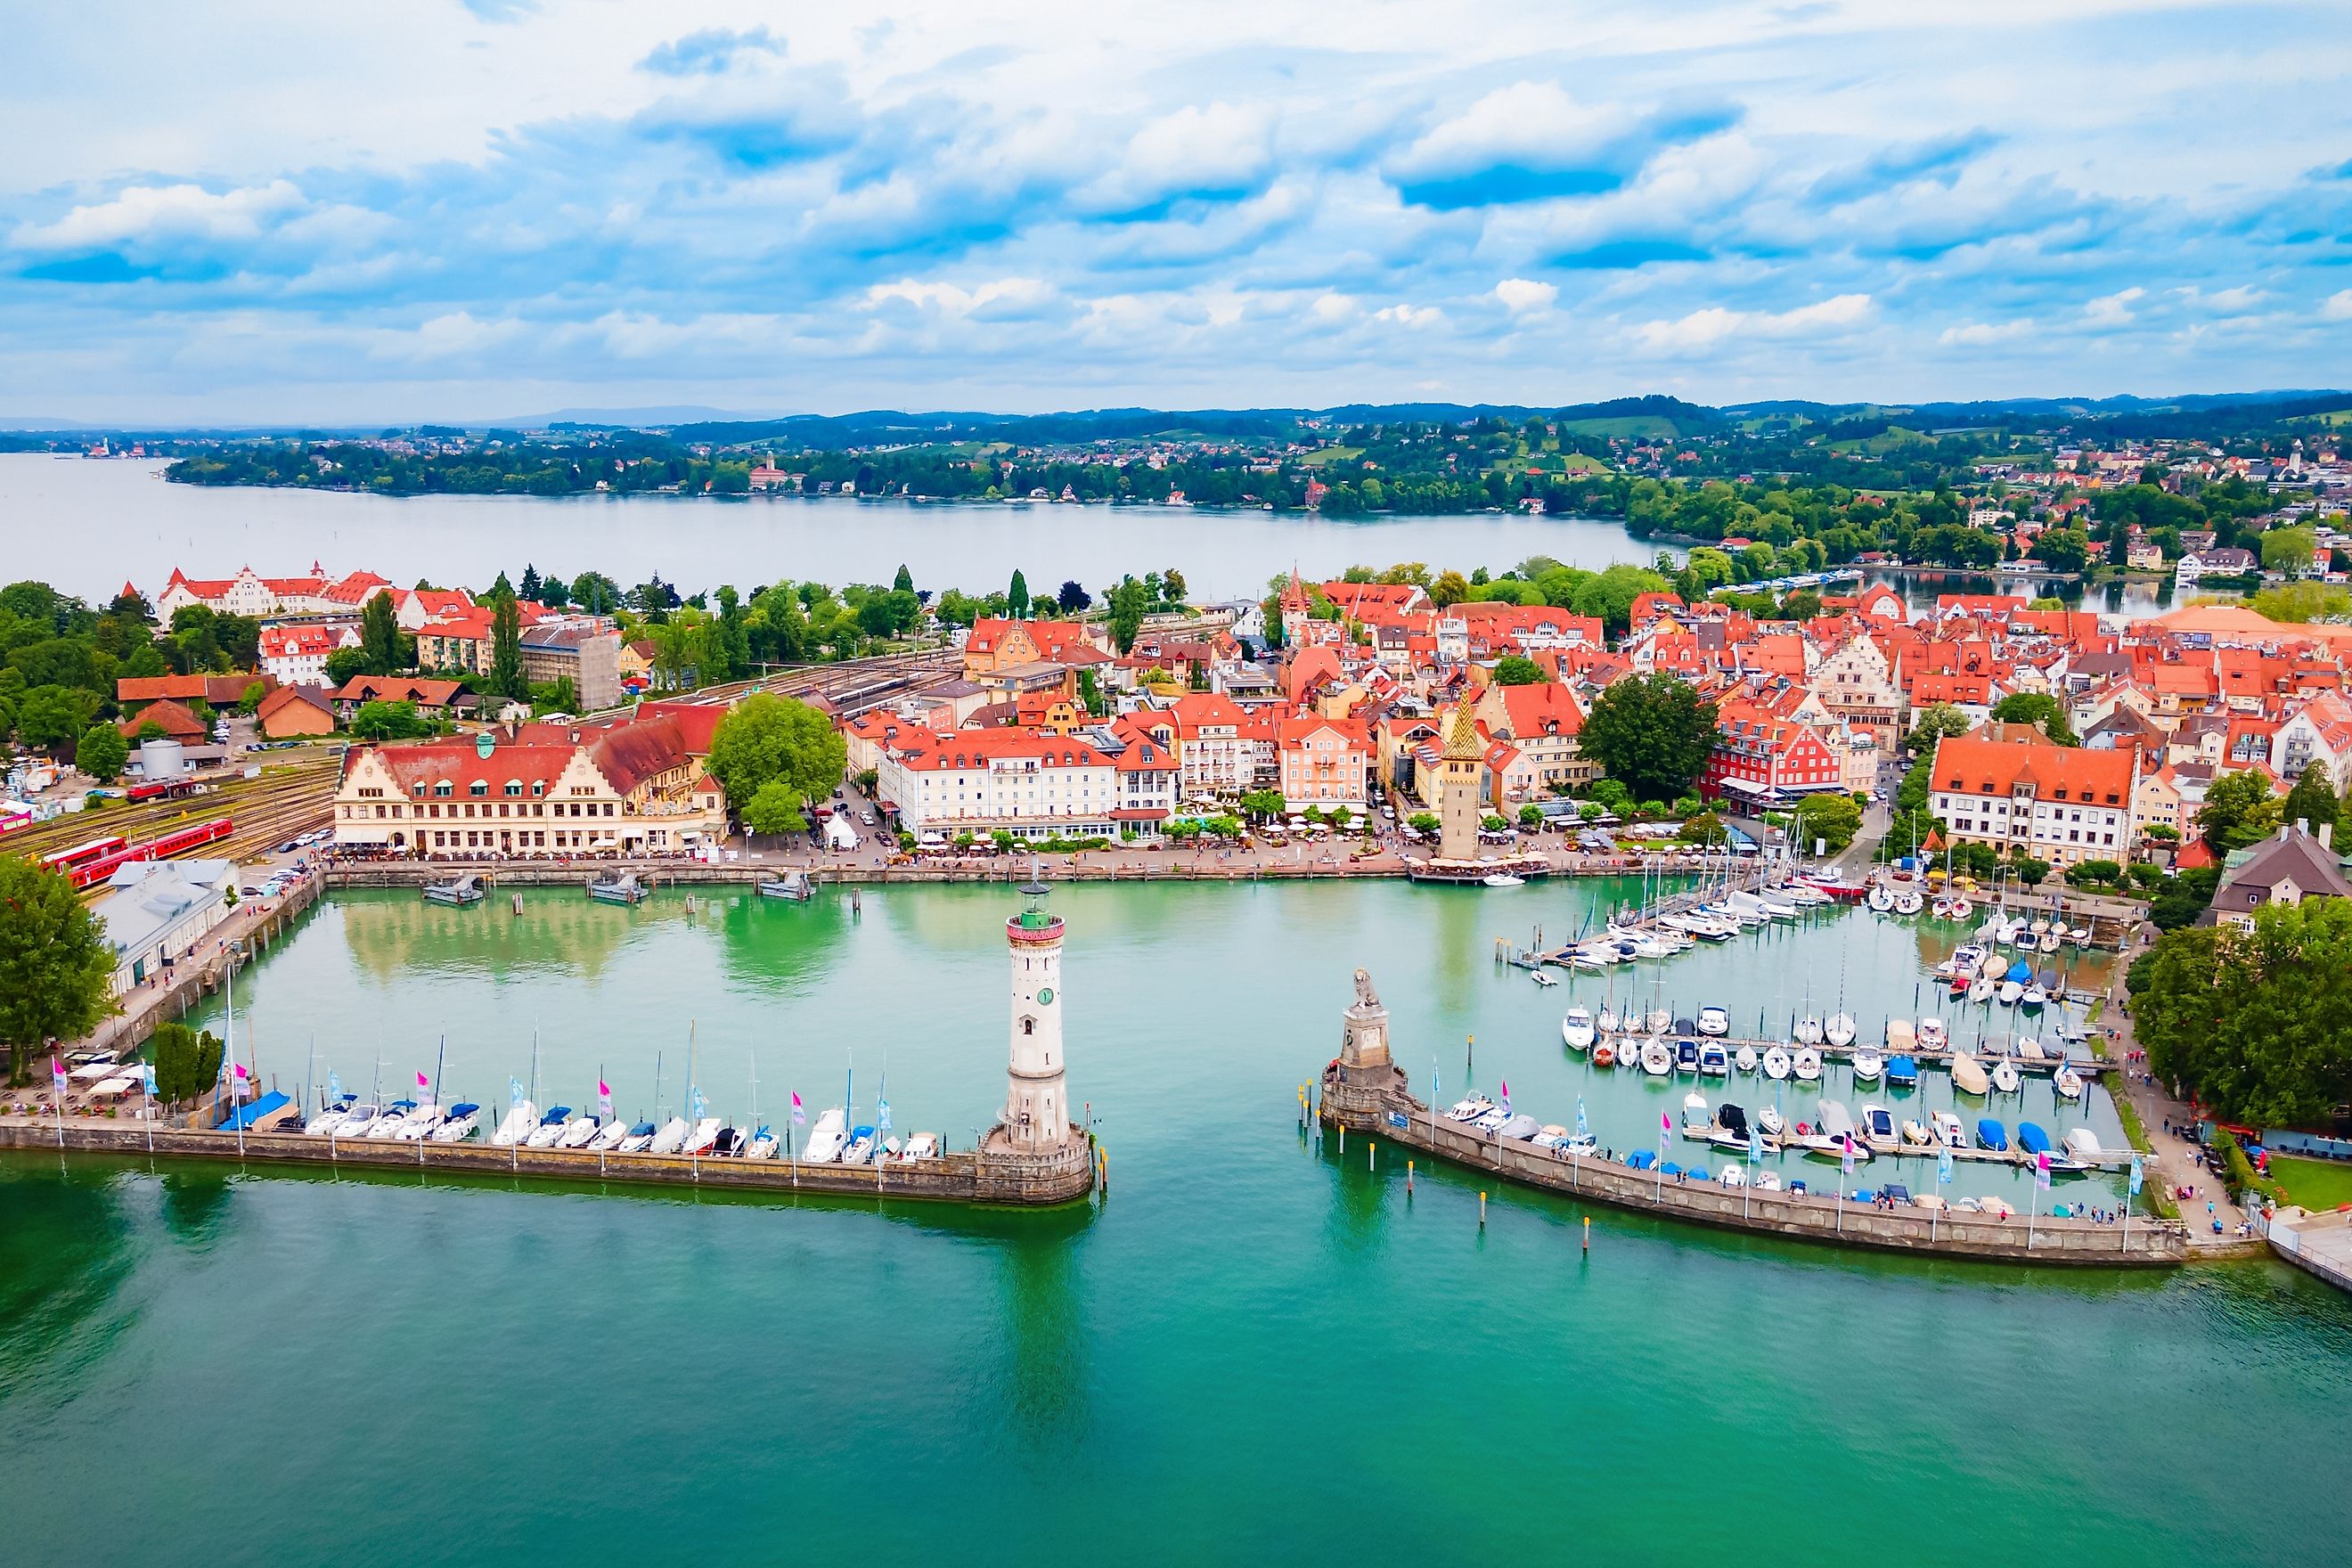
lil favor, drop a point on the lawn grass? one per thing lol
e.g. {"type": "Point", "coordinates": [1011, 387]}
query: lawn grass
{"type": "Point", "coordinates": [2316, 1184]}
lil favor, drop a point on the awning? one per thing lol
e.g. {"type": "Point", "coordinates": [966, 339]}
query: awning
{"type": "Point", "coordinates": [1139, 813]}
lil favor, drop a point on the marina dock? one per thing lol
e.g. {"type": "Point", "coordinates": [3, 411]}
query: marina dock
{"type": "Point", "coordinates": [1364, 1091]}
{"type": "Point", "coordinates": [989, 1176]}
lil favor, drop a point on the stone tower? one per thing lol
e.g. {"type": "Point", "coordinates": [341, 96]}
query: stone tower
{"type": "Point", "coordinates": [1037, 1103]}
{"type": "Point", "coordinates": [1295, 604]}
{"type": "Point", "coordinates": [1457, 787]}
{"type": "Point", "coordinates": [1363, 1086]}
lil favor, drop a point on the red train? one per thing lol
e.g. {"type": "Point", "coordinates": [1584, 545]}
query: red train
{"type": "Point", "coordinates": [84, 854]}
{"type": "Point", "coordinates": [165, 789]}
{"type": "Point", "coordinates": [172, 844]}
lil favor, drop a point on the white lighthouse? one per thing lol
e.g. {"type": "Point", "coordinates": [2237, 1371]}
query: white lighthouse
{"type": "Point", "coordinates": [1037, 1105]}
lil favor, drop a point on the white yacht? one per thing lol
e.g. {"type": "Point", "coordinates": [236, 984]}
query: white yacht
{"type": "Point", "coordinates": [581, 1132]}
{"type": "Point", "coordinates": [1839, 1030]}
{"type": "Point", "coordinates": [1658, 1058]}
{"type": "Point", "coordinates": [2069, 1083]}
{"type": "Point", "coordinates": [1714, 1021]}
{"type": "Point", "coordinates": [704, 1136]}
{"type": "Point", "coordinates": [1949, 1133]}
{"type": "Point", "coordinates": [1867, 1066]}
{"type": "Point", "coordinates": [824, 1139]}
{"type": "Point", "coordinates": [1806, 1065]}
{"type": "Point", "coordinates": [1808, 1030]}
{"type": "Point", "coordinates": [1576, 1028]}
{"type": "Point", "coordinates": [1746, 1060]}
{"type": "Point", "coordinates": [517, 1124]}
{"type": "Point", "coordinates": [610, 1136]}
{"type": "Point", "coordinates": [1776, 1062]}
{"type": "Point", "coordinates": [2005, 1078]}
{"type": "Point", "coordinates": [671, 1137]}
{"type": "Point", "coordinates": [460, 1124]}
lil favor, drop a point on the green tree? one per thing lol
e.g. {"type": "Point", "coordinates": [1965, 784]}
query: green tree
{"type": "Point", "coordinates": [50, 716]}
{"type": "Point", "coordinates": [1651, 733]}
{"type": "Point", "coordinates": [2251, 1022]}
{"type": "Point", "coordinates": [381, 720]}
{"type": "Point", "coordinates": [101, 752]}
{"type": "Point", "coordinates": [2239, 810]}
{"type": "Point", "coordinates": [1423, 821]}
{"type": "Point", "coordinates": [250, 698]}
{"type": "Point", "coordinates": [1016, 596]}
{"type": "Point", "coordinates": [770, 739]}
{"type": "Point", "coordinates": [507, 675]}
{"type": "Point", "coordinates": [1833, 819]}
{"type": "Point", "coordinates": [2311, 800]}
{"type": "Point", "coordinates": [1936, 721]}
{"type": "Point", "coordinates": [773, 808]}
{"type": "Point", "coordinates": [2036, 707]}
{"type": "Point", "coordinates": [1263, 803]}
{"type": "Point", "coordinates": [345, 663]}
{"type": "Point", "coordinates": [2063, 548]}
{"type": "Point", "coordinates": [1531, 816]}
{"type": "Point", "coordinates": [1451, 588]}
{"type": "Point", "coordinates": [379, 648]}
{"type": "Point", "coordinates": [1518, 670]}
{"type": "Point", "coordinates": [55, 964]}
{"type": "Point", "coordinates": [188, 1065]}
{"type": "Point", "coordinates": [1172, 584]}
{"type": "Point", "coordinates": [1128, 601]}
{"type": "Point", "coordinates": [904, 581]}
{"type": "Point", "coordinates": [2289, 550]}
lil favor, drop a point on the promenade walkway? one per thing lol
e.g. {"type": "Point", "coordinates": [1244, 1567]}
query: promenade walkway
{"type": "Point", "coordinates": [2173, 1162]}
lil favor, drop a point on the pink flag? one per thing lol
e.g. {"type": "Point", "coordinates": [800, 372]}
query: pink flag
{"type": "Point", "coordinates": [1665, 1122]}
{"type": "Point", "coordinates": [240, 1069]}
{"type": "Point", "coordinates": [421, 1081]}
{"type": "Point", "coordinates": [603, 1089]}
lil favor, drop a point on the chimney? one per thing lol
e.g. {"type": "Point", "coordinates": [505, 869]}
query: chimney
{"type": "Point", "coordinates": [2326, 833]}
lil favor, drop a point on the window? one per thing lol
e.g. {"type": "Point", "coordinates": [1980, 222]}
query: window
{"type": "Point", "coordinates": [442, 789]}
{"type": "Point", "coordinates": [479, 788]}
{"type": "Point", "coordinates": [514, 787]}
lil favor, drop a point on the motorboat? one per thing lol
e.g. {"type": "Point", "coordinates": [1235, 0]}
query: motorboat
{"type": "Point", "coordinates": [1469, 1109]}
{"type": "Point", "coordinates": [2009, 992]}
{"type": "Point", "coordinates": [671, 1137]}
{"type": "Point", "coordinates": [919, 1146]}
{"type": "Point", "coordinates": [581, 1132]}
{"type": "Point", "coordinates": [1776, 1062]}
{"type": "Point", "coordinates": [1578, 1145]}
{"type": "Point", "coordinates": [1902, 1072]}
{"type": "Point", "coordinates": [704, 1138]}
{"type": "Point", "coordinates": [1714, 1061]}
{"type": "Point", "coordinates": [1914, 1133]}
{"type": "Point", "coordinates": [1839, 1030]}
{"type": "Point", "coordinates": [2068, 1082]}
{"type": "Point", "coordinates": [1991, 1134]}
{"type": "Point", "coordinates": [731, 1140]}
{"type": "Point", "coordinates": [329, 1121]}
{"type": "Point", "coordinates": [1604, 1055]}
{"type": "Point", "coordinates": [1867, 1066]}
{"type": "Point", "coordinates": [1948, 1131]}
{"type": "Point", "coordinates": [1744, 1060]}
{"type": "Point", "coordinates": [1576, 1028]}
{"type": "Point", "coordinates": [1901, 1040]}
{"type": "Point", "coordinates": [1686, 1055]}
{"type": "Point", "coordinates": [1730, 1131]}
{"type": "Point", "coordinates": [1808, 1030]}
{"type": "Point", "coordinates": [1685, 1026]}
{"type": "Point", "coordinates": [2083, 1144]}
{"type": "Point", "coordinates": [1714, 1021]}
{"type": "Point", "coordinates": [1733, 1177]}
{"type": "Point", "coordinates": [2033, 1140]}
{"type": "Point", "coordinates": [1543, 977]}
{"type": "Point", "coordinates": [1932, 1036]}
{"type": "Point", "coordinates": [1658, 1058]}
{"type": "Point", "coordinates": [2005, 1078]}
{"type": "Point", "coordinates": [1505, 879]}
{"type": "Point", "coordinates": [859, 1150]}
{"type": "Point", "coordinates": [825, 1138]}
{"type": "Point", "coordinates": [610, 1136]}
{"type": "Point", "coordinates": [2034, 997]}
{"type": "Point", "coordinates": [637, 1139]}
{"type": "Point", "coordinates": [1768, 1181]}
{"type": "Point", "coordinates": [1980, 990]}
{"type": "Point", "coordinates": [1878, 1129]}
{"type": "Point", "coordinates": [418, 1124]}
{"type": "Point", "coordinates": [1967, 1073]}
{"type": "Point", "coordinates": [1697, 1121]}
{"type": "Point", "coordinates": [462, 1122]}
{"type": "Point", "coordinates": [1770, 1121]}
{"type": "Point", "coordinates": [550, 1128]}
{"type": "Point", "coordinates": [1806, 1065]}
{"type": "Point", "coordinates": [391, 1117]}
{"type": "Point", "coordinates": [517, 1124]}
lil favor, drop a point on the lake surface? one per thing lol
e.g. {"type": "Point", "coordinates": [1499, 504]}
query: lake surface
{"type": "Point", "coordinates": [1246, 1337]}
{"type": "Point", "coordinates": [83, 525]}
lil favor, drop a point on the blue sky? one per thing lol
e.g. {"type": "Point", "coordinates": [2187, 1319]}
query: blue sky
{"type": "Point", "coordinates": [261, 210]}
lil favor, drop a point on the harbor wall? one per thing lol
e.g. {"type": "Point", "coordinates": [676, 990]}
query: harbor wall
{"type": "Point", "coordinates": [2319, 1243]}
{"type": "Point", "coordinates": [1813, 1218]}
{"type": "Point", "coordinates": [951, 1178]}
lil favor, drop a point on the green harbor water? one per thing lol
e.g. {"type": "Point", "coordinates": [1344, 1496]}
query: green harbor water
{"type": "Point", "coordinates": [1249, 1348]}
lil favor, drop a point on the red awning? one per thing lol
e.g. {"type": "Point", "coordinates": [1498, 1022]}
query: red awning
{"type": "Point", "coordinates": [1139, 813]}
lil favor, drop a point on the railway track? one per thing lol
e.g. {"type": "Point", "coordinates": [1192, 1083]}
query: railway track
{"type": "Point", "coordinates": [292, 799]}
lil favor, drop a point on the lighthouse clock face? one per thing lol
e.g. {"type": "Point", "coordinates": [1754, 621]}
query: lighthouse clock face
{"type": "Point", "coordinates": [1044, 995]}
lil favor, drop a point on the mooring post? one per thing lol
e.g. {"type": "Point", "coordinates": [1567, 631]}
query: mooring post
{"type": "Point", "coordinates": [1408, 1178]}
{"type": "Point", "coordinates": [1481, 1211]}
{"type": "Point", "coordinates": [1588, 1233]}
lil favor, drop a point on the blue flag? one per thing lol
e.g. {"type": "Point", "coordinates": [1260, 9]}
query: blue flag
{"type": "Point", "coordinates": [694, 1097]}
{"type": "Point", "coordinates": [514, 1090]}
{"type": "Point", "coordinates": [2135, 1176]}
{"type": "Point", "coordinates": [1943, 1167]}
{"type": "Point", "coordinates": [882, 1116]}
{"type": "Point", "coordinates": [147, 1083]}
{"type": "Point", "coordinates": [334, 1086]}
{"type": "Point", "coordinates": [1581, 1127]}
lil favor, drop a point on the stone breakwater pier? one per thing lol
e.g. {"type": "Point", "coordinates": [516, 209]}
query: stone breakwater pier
{"type": "Point", "coordinates": [1364, 1091]}
{"type": "Point", "coordinates": [992, 1175]}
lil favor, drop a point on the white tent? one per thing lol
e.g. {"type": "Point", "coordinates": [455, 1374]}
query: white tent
{"type": "Point", "coordinates": [838, 833]}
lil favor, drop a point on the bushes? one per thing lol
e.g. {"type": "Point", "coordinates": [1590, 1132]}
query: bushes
{"type": "Point", "coordinates": [2237, 1171]}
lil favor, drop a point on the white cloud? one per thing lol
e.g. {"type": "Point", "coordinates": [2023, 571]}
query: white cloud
{"type": "Point", "coordinates": [1333, 308]}
{"type": "Point", "coordinates": [1521, 296]}
{"type": "Point", "coordinates": [163, 213]}
{"type": "Point", "coordinates": [1976, 334]}
{"type": "Point", "coordinates": [2336, 306]}
{"type": "Point", "coordinates": [2113, 310]}
{"type": "Point", "coordinates": [1715, 324]}
{"type": "Point", "coordinates": [1410, 315]}
{"type": "Point", "coordinates": [1529, 125]}
{"type": "Point", "coordinates": [1003, 297]}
